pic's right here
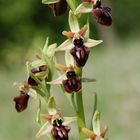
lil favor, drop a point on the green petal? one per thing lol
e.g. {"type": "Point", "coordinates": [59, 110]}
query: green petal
{"type": "Point", "coordinates": [69, 59]}
{"type": "Point", "coordinates": [84, 7]}
{"type": "Point", "coordinates": [51, 106]}
{"type": "Point", "coordinates": [44, 130]}
{"type": "Point", "coordinates": [73, 22]}
{"type": "Point", "coordinates": [96, 123]}
{"type": "Point", "coordinates": [86, 80]}
{"type": "Point", "coordinates": [66, 45]}
{"type": "Point", "coordinates": [50, 1]}
{"type": "Point", "coordinates": [91, 42]}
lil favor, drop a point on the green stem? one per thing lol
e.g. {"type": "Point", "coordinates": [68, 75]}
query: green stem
{"type": "Point", "coordinates": [73, 102]}
{"type": "Point", "coordinates": [47, 94]}
{"type": "Point", "coordinates": [80, 108]}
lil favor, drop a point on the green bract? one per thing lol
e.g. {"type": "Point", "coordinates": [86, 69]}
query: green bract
{"type": "Point", "coordinates": [51, 106]}
{"type": "Point", "coordinates": [49, 50]}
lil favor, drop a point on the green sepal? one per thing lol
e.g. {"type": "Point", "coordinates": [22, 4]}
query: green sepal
{"type": "Point", "coordinates": [69, 120]}
{"type": "Point", "coordinates": [44, 130]}
{"type": "Point", "coordinates": [84, 7]}
{"type": "Point", "coordinates": [51, 106]}
{"type": "Point", "coordinates": [58, 80]}
{"type": "Point", "coordinates": [73, 22]}
{"type": "Point", "coordinates": [96, 123]}
{"type": "Point", "coordinates": [66, 45]}
{"type": "Point", "coordinates": [91, 42]}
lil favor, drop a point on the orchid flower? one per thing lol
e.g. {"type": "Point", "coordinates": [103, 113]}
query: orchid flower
{"type": "Point", "coordinates": [96, 134]}
{"type": "Point", "coordinates": [56, 126]}
{"type": "Point", "coordinates": [101, 14]}
{"type": "Point", "coordinates": [78, 43]}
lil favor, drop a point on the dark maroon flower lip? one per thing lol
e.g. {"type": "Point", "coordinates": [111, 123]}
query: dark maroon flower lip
{"type": "Point", "coordinates": [72, 83]}
{"type": "Point", "coordinates": [59, 131]}
{"type": "Point", "coordinates": [59, 8]}
{"type": "Point", "coordinates": [80, 52]}
{"type": "Point", "coordinates": [102, 14]}
{"type": "Point", "coordinates": [32, 82]}
{"type": "Point", "coordinates": [21, 101]}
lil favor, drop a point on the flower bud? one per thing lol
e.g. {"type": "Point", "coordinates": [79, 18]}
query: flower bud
{"type": "Point", "coordinates": [21, 101]}
{"type": "Point", "coordinates": [42, 68]}
{"type": "Point", "coordinates": [80, 52]}
{"type": "Point", "coordinates": [72, 83]}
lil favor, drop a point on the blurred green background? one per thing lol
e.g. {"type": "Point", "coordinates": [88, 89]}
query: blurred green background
{"type": "Point", "coordinates": [24, 26]}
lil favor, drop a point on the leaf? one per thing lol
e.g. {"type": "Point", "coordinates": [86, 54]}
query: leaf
{"type": "Point", "coordinates": [50, 1]}
{"type": "Point", "coordinates": [96, 123]}
{"type": "Point", "coordinates": [44, 130]}
{"type": "Point", "coordinates": [73, 22]}
{"type": "Point", "coordinates": [69, 59]}
{"type": "Point", "coordinates": [91, 42]}
{"type": "Point", "coordinates": [51, 106]}
{"type": "Point", "coordinates": [66, 45]}
{"type": "Point", "coordinates": [85, 7]}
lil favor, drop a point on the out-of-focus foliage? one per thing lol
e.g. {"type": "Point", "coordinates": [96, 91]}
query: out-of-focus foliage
{"type": "Point", "coordinates": [21, 22]}
{"type": "Point", "coordinates": [126, 16]}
